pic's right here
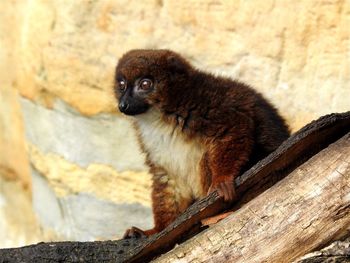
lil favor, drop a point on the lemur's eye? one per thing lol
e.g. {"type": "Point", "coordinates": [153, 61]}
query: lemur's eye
{"type": "Point", "coordinates": [145, 84]}
{"type": "Point", "coordinates": [122, 85]}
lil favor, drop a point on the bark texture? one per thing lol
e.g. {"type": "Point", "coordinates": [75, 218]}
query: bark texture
{"type": "Point", "coordinates": [338, 251]}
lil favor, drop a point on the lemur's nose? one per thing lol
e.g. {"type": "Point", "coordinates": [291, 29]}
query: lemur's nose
{"type": "Point", "coordinates": [123, 106]}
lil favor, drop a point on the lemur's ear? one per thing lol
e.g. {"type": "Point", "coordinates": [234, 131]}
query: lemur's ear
{"type": "Point", "coordinates": [177, 65]}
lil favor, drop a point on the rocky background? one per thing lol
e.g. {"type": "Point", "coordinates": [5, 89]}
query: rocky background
{"type": "Point", "coordinates": [70, 167]}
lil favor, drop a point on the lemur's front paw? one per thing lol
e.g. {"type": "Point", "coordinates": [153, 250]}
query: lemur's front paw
{"type": "Point", "coordinates": [225, 188]}
{"type": "Point", "coordinates": [134, 232]}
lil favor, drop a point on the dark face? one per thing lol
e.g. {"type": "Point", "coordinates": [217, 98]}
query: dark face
{"type": "Point", "coordinates": [133, 94]}
{"type": "Point", "coordinates": [134, 83]}
{"type": "Point", "coordinates": [143, 77]}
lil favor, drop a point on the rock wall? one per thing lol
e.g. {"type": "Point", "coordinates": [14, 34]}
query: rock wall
{"type": "Point", "coordinates": [13, 159]}
{"type": "Point", "coordinates": [58, 60]}
{"type": "Point", "coordinates": [15, 181]}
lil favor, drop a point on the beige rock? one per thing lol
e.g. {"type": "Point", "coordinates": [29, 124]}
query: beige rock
{"type": "Point", "coordinates": [99, 180]}
{"type": "Point", "coordinates": [296, 53]}
{"type": "Point", "coordinates": [19, 229]}
{"type": "Point", "coordinates": [95, 202]}
{"type": "Point", "coordinates": [13, 159]}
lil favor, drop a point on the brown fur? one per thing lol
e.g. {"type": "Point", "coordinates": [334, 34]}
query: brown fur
{"type": "Point", "coordinates": [208, 129]}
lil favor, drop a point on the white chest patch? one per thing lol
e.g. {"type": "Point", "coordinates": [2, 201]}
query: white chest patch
{"type": "Point", "coordinates": [168, 149]}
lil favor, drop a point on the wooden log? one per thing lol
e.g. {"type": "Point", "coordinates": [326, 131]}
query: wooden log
{"type": "Point", "coordinates": [307, 209]}
{"type": "Point", "coordinates": [296, 150]}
